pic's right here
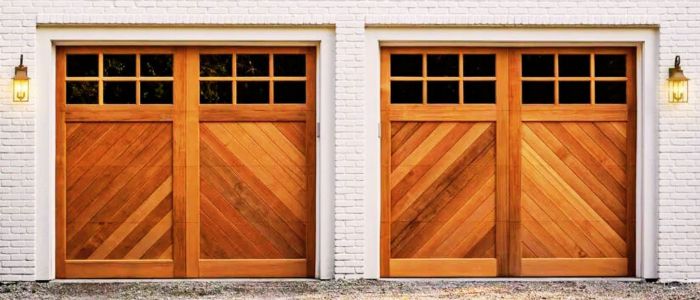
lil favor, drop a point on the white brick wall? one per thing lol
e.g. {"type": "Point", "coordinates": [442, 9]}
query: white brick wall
{"type": "Point", "coordinates": [349, 147]}
{"type": "Point", "coordinates": [679, 126]}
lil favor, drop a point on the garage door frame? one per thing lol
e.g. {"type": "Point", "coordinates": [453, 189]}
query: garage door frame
{"type": "Point", "coordinates": [43, 86]}
{"type": "Point", "coordinates": [646, 43]}
{"type": "Point", "coordinates": [511, 221]}
{"type": "Point", "coordinates": [184, 257]}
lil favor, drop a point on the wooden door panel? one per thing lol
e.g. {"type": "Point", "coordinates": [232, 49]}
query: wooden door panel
{"type": "Point", "coordinates": [119, 191]}
{"type": "Point", "coordinates": [253, 199]}
{"type": "Point", "coordinates": [442, 198]}
{"type": "Point", "coordinates": [253, 190]}
{"type": "Point", "coordinates": [573, 201]}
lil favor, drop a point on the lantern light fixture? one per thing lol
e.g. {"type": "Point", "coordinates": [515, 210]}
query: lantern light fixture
{"type": "Point", "coordinates": [20, 83]}
{"type": "Point", "coordinates": [677, 83]}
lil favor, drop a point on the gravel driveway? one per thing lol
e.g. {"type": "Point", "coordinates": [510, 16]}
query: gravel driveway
{"type": "Point", "coordinates": [360, 289]}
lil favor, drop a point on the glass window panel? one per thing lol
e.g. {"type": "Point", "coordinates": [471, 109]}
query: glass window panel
{"type": "Point", "coordinates": [252, 65]}
{"type": "Point", "coordinates": [575, 92]}
{"type": "Point", "coordinates": [574, 65]}
{"type": "Point", "coordinates": [119, 65]}
{"type": "Point", "coordinates": [610, 92]}
{"type": "Point", "coordinates": [538, 65]}
{"type": "Point", "coordinates": [479, 65]}
{"type": "Point", "coordinates": [290, 92]}
{"type": "Point", "coordinates": [82, 92]}
{"type": "Point", "coordinates": [156, 92]}
{"type": "Point", "coordinates": [215, 65]}
{"type": "Point", "coordinates": [252, 92]}
{"type": "Point", "coordinates": [538, 92]}
{"type": "Point", "coordinates": [82, 65]}
{"type": "Point", "coordinates": [407, 92]}
{"type": "Point", "coordinates": [443, 65]}
{"type": "Point", "coordinates": [289, 65]}
{"type": "Point", "coordinates": [610, 66]}
{"type": "Point", "coordinates": [156, 65]}
{"type": "Point", "coordinates": [119, 92]}
{"type": "Point", "coordinates": [215, 92]}
{"type": "Point", "coordinates": [406, 65]}
{"type": "Point", "coordinates": [443, 92]}
{"type": "Point", "coordinates": [479, 92]}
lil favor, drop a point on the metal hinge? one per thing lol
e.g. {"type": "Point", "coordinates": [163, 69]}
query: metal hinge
{"type": "Point", "coordinates": [379, 130]}
{"type": "Point", "coordinates": [318, 129]}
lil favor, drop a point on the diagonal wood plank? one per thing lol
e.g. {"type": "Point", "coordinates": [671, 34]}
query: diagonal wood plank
{"type": "Point", "coordinates": [443, 199]}
{"type": "Point", "coordinates": [418, 153]}
{"type": "Point", "coordinates": [593, 174]}
{"type": "Point", "coordinates": [130, 223]}
{"type": "Point", "coordinates": [232, 142]}
{"type": "Point", "coordinates": [607, 238]}
{"type": "Point", "coordinates": [435, 171]}
{"type": "Point", "coordinates": [431, 225]}
{"type": "Point", "coordinates": [573, 170]}
{"type": "Point", "coordinates": [571, 190]}
{"type": "Point", "coordinates": [236, 194]}
{"type": "Point", "coordinates": [415, 137]}
{"type": "Point", "coordinates": [231, 173]}
{"type": "Point", "coordinates": [565, 214]}
{"type": "Point", "coordinates": [253, 190]}
{"type": "Point", "coordinates": [120, 190]}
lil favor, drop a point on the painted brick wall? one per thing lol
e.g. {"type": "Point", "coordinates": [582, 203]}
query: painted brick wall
{"type": "Point", "coordinates": [679, 126]}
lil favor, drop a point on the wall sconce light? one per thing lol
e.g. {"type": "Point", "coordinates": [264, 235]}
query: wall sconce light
{"type": "Point", "coordinates": [677, 84]}
{"type": "Point", "coordinates": [20, 83]}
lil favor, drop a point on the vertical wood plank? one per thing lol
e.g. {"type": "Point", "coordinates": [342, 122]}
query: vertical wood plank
{"type": "Point", "coordinates": [425, 78]}
{"type": "Point", "coordinates": [556, 78]}
{"type": "Point", "coordinates": [271, 89]}
{"type": "Point", "coordinates": [100, 85]}
{"type": "Point", "coordinates": [234, 84]}
{"type": "Point", "coordinates": [502, 146]}
{"type": "Point", "coordinates": [515, 247]}
{"type": "Point", "coordinates": [461, 77]}
{"type": "Point", "coordinates": [192, 162]}
{"type": "Point", "coordinates": [385, 150]}
{"type": "Point", "coordinates": [179, 163]}
{"type": "Point", "coordinates": [631, 161]}
{"type": "Point", "coordinates": [60, 163]}
{"type": "Point", "coordinates": [310, 162]}
{"type": "Point", "coordinates": [592, 70]}
{"type": "Point", "coordinates": [138, 80]}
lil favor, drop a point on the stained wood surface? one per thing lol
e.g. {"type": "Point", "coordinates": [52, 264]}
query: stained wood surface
{"type": "Point", "coordinates": [443, 267]}
{"type": "Point", "coordinates": [270, 268]}
{"type": "Point", "coordinates": [253, 190]}
{"type": "Point", "coordinates": [575, 267]}
{"type": "Point", "coordinates": [126, 269]}
{"type": "Point", "coordinates": [577, 171]}
{"type": "Point", "coordinates": [574, 188]}
{"type": "Point", "coordinates": [443, 190]}
{"type": "Point", "coordinates": [560, 179]}
{"type": "Point", "coordinates": [183, 190]}
{"type": "Point", "coordinates": [119, 191]}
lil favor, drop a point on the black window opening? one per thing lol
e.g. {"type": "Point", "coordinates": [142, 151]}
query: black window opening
{"type": "Point", "coordinates": [574, 78]}
{"type": "Point", "coordinates": [442, 78]}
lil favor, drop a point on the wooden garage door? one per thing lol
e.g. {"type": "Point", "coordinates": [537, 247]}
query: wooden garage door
{"type": "Point", "coordinates": [185, 162]}
{"type": "Point", "coordinates": [507, 162]}
{"type": "Point", "coordinates": [443, 190]}
{"type": "Point", "coordinates": [573, 139]}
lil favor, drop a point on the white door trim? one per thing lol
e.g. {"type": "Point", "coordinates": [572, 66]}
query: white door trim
{"type": "Point", "coordinates": [44, 88]}
{"type": "Point", "coordinates": [646, 41]}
